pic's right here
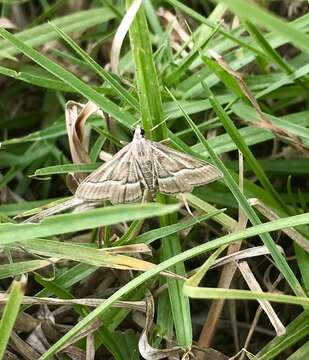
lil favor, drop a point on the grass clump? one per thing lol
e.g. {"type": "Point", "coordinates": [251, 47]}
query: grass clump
{"type": "Point", "coordinates": [223, 81]}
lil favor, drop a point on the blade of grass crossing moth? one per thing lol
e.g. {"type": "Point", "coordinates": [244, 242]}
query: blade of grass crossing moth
{"type": "Point", "coordinates": [188, 254]}
{"type": "Point", "coordinates": [10, 312]}
{"type": "Point", "coordinates": [61, 224]}
{"type": "Point", "coordinates": [152, 115]}
{"type": "Point", "coordinates": [105, 104]}
{"type": "Point", "coordinates": [243, 202]}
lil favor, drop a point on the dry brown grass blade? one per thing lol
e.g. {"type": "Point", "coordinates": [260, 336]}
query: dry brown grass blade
{"type": "Point", "coordinates": [90, 348]}
{"type": "Point", "coordinates": [179, 38]}
{"type": "Point", "coordinates": [121, 33]}
{"type": "Point", "coordinates": [290, 232]}
{"type": "Point", "coordinates": [266, 306]}
{"type": "Point", "coordinates": [85, 332]}
{"type": "Point", "coordinates": [226, 277]}
{"type": "Point", "coordinates": [21, 347]}
{"type": "Point", "coordinates": [242, 254]}
{"type": "Point", "coordinates": [75, 353]}
{"type": "Point", "coordinates": [257, 316]}
{"type": "Point", "coordinates": [29, 300]}
{"type": "Point", "coordinates": [38, 340]}
{"type": "Point", "coordinates": [264, 122]}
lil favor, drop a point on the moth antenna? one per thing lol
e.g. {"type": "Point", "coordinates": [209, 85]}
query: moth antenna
{"type": "Point", "coordinates": [160, 123]}
{"type": "Point", "coordinates": [138, 122]}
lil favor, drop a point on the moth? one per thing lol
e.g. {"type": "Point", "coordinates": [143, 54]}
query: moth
{"type": "Point", "coordinates": [140, 166]}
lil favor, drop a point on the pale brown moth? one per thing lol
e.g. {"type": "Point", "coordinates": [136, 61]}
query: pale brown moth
{"type": "Point", "coordinates": [140, 166]}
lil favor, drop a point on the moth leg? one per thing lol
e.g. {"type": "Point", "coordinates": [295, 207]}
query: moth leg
{"type": "Point", "coordinates": [183, 198]}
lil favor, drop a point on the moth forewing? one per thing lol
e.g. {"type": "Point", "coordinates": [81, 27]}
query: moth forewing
{"type": "Point", "coordinates": [178, 172]}
{"type": "Point", "coordinates": [117, 180]}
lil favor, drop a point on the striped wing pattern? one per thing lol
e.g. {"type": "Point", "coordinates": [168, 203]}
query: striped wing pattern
{"type": "Point", "coordinates": [177, 172]}
{"type": "Point", "coordinates": [117, 180]}
{"type": "Point", "coordinates": [125, 177]}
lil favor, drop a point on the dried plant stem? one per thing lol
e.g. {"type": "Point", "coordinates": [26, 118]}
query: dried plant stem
{"type": "Point", "coordinates": [225, 280]}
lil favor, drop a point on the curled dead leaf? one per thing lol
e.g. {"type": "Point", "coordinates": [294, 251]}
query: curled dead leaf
{"type": "Point", "coordinates": [146, 350]}
{"type": "Point", "coordinates": [76, 115]}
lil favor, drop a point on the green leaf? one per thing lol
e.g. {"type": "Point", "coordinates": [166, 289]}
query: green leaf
{"type": "Point", "coordinates": [219, 293]}
{"type": "Point", "coordinates": [10, 313]}
{"type": "Point", "coordinates": [84, 254]}
{"type": "Point", "coordinates": [22, 267]}
{"type": "Point", "coordinates": [297, 330]}
{"type": "Point", "coordinates": [152, 235]}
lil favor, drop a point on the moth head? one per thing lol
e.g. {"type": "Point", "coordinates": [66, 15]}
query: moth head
{"type": "Point", "coordinates": [138, 133]}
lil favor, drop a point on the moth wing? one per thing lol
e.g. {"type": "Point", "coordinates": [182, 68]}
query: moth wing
{"type": "Point", "coordinates": [178, 172]}
{"type": "Point", "coordinates": [117, 180]}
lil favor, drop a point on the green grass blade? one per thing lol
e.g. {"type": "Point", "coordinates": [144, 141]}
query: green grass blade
{"type": "Point", "coordinates": [152, 235]}
{"type": "Point", "coordinates": [61, 224]}
{"type": "Point", "coordinates": [66, 168]}
{"type": "Point", "coordinates": [195, 15]}
{"type": "Point", "coordinates": [297, 330]}
{"type": "Point", "coordinates": [10, 313]}
{"type": "Point", "coordinates": [21, 267]}
{"type": "Point", "coordinates": [84, 254]}
{"type": "Point", "coordinates": [146, 77]}
{"type": "Point", "coordinates": [242, 146]}
{"type": "Point", "coordinates": [267, 48]}
{"type": "Point", "coordinates": [219, 293]}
